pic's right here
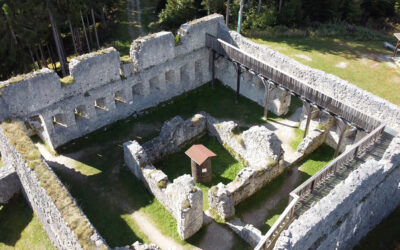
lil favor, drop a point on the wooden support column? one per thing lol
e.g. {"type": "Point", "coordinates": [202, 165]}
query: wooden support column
{"type": "Point", "coordinates": [340, 140]}
{"type": "Point", "coordinates": [310, 110]}
{"type": "Point", "coordinates": [239, 72]}
{"type": "Point", "coordinates": [213, 69]}
{"type": "Point", "coordinates": [268, 89]}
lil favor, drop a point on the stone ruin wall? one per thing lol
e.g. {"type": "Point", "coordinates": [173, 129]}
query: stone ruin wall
{"type": "Point", "coordinates": [60, 233]}
{"type": "Point", "coordinates": [181, 197]}
{"type": "Point", "coordinates": [160, 70]}
{"type": "Point", "coordinates": [259, 149]}
{"type": "Point", "coordinates": [106, 90]}
{"type": "Point", "coordinates": [353, 208]}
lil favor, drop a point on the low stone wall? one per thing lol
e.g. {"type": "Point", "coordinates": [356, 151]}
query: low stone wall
{"type": "Point", "coordinates": [329, 84]}
{"type": "Point", "coordinates": [351, 209]}
{"type": "Point", "coordinates": [262, 153]}
{"type": "Point", "coordinates": [63, 235]}
{"type": "Point", "coordinates": [139, 246]}
{"type": "Point", "coordinates": [9, 183]}
{"type": "Point", "coordinates": [174, 133]}
{"type": "Point", "coordinates": [181, 198]}
{"type": "Point", "coordinates": [257, 147]}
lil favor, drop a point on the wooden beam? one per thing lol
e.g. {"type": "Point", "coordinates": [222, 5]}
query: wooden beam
{"type": "Point", "coordinates": [268, 89]}
{"type": "Point", "coordinates": [213, 69]}
{"type": "Point", "coordinates": [308, 119]}
{"type": "Point", "coordinates": [239, 72]}
{"type": "Point", "coordinates": [340, 140]}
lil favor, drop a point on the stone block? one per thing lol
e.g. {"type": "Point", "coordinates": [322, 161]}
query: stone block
{"type": "Point", "coordinates": [152, 50]}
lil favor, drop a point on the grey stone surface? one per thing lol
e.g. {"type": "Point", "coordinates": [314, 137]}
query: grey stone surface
{"type": "Point", "coordinates": [174, 134]}
{"type": "Point", "coordinates": [59, 232]}
{"type": "Point", "coordinates": [181, 197]}
{"type": "Point", "coordinates": [9, 183]}
{"type": "Point", "coordinates": [247, 232]}
{"type": "Point", "coordinates": [139, 246]}
{"type": "Point", "coordinates": [312, 141]}
{"type": "Point", "coordinates": [220, 201]}
{"type": "Point", "coordinates": [351, 209]}
{"type": "Point", "coordinates": [263, 148]}
{"type": "Point", "coordinates": [258, 147]}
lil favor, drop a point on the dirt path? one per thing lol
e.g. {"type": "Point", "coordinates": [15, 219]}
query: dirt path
{"type": "Point", "coordinates": [152, 232]}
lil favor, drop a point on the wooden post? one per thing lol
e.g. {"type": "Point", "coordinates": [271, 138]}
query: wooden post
{"type": "Point", "coordinates": [239, 72]}
{"type": "Point", "coordinates": [340, 140]}
{"type": "Point", "coordinates": [308, 120]}
{"type": "Point", "coordinates": [268, 89]}
{"type": "Point", "coordinates": [213, 69]}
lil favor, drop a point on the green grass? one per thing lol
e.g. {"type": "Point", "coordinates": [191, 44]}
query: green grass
{"type": "Point", "coordinates": [224, 166]}
{"type": "Point", "coordinates": [316, 161]}
{"type": "Point", "coordinates": [20, 228]}
{"type": "Point", "coordinates": [367, 73]}
{"type": "Point", "coordinates": [385, 236]}
{"type": "Point", "coordinates": [298, 137]}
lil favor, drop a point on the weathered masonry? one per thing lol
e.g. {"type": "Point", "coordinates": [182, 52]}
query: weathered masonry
{"type": "Point", "coordinates": [105, 90]}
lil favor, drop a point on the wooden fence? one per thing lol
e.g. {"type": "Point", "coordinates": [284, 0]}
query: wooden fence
{"type": "Point", "coordinates": [307, 187]}
{"type": "Point", "coordinates": [291, 84]}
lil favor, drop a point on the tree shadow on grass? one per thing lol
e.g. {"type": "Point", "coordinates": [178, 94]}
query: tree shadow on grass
{"type": "Point", "coordinates": [345, 47]}
{"type": "Point", "coordinates": [14, 217]}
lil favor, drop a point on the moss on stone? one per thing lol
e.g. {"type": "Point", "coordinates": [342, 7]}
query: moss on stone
{"type": "Point", "coordinates": [67, 80]}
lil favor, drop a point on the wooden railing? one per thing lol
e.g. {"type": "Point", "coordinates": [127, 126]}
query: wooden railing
{"type": "Point", "coordinates": [291, 84]}
{"type": "Point", "coordinates": [307, 187]}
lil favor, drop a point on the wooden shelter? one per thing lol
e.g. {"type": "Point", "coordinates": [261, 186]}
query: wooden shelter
{"type": "Point", "coordinates": [200, 163]}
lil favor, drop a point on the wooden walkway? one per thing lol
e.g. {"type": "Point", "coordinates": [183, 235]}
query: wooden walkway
{"type": "Point", "coordinates": [273, 77]}
{"type": "Point", "coordinates": [375, 152]}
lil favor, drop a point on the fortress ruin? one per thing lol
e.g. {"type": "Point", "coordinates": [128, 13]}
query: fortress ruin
{"type": "Point", "coordinates": [105, 90]}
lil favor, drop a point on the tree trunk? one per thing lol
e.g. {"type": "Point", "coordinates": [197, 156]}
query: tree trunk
{"type": "Point", "coordinates": [72, 36]}
{"type": "Point", "coordinates": [89, 32]}
{"type": "Point", "coordinates": [239, 28]}
{"type": "Point", "coordinates": [51, 57]}
{"type": "Point", "coordinates": [259, 7]}
{"type": "Point", "coordinates": [33, 59]}
{"type": "Point", "coordinates": [38, 59]}
{"type": "Point", "coordinates": [58, 44]}
{"type": "Point", "coordinates": [84, 31]}
{"type": "Point", "coordinates": [280, 6]}
{"type": "Point", "coordinates": [42, 55]}
{"type": "Point", "coordinates": [103, 17]}
{"type": "Point", "coordinates": [11, 29]}
{"type": "Point", "coordinates": [228, 4]}
{"type": "Point", "coordinates": [95, 30]}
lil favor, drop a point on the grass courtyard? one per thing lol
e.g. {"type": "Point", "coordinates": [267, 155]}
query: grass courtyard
{"type": "Point", "coordinates": [366, 64]}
